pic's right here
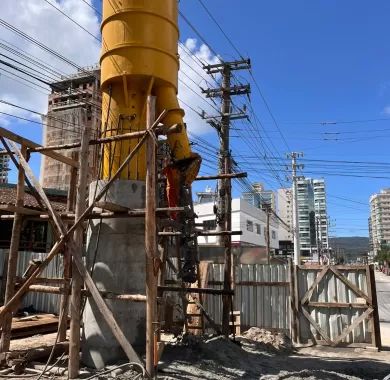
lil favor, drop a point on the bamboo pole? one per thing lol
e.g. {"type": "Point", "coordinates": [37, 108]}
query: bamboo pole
{"type": "Point", "coordinates": [13, 258]}
{"type": "Point", "coordinates": [150, 239]}
{"type": "Point", "coordinates": [77, 280]}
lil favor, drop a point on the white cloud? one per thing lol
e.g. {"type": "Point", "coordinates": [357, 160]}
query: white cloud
{"type": "Point", "coordinates": [191, 71]}
{"type": "Point", "coordinates": [45, 24]}
{"type": "Point", "coordinates": [386, 110]}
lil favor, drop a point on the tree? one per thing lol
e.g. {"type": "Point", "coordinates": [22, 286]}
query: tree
{"type": "Point", "coordinates": [383, 255]}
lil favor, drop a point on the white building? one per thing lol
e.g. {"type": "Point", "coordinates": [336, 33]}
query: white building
{"type": "Point", "coordinates": [380, 219]}
{"type": "Point", "coordinates": [321, 212]}
{"type": "Point", "coordinates": [312, 215]}
{"type": "Point", "coordinates": [246, 218]}
{"type": "Point", "coordinates": [284, 211]}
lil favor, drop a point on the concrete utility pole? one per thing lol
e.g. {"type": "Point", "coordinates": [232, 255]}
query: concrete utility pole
{"type": "Point", "coordinates": [224, 200]}
{"type": "Point", "coordinates": [267, 236]}
{"type": "Point", "coordinates": [294, 167]}
{"type": "Point", "coordinates": [318, 233]}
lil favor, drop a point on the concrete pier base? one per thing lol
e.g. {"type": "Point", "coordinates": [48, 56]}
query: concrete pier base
{"type": "Point", "coordinates": [118, 267]}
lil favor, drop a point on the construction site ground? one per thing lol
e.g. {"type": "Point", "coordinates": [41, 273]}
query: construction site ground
{"type": "Point", "coordinates": [219, 358]}
{"type": "Point", "coordinates": [260, 355]}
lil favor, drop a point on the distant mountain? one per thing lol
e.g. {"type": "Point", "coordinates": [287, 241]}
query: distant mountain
{"type": "Point", "coordinates": [350, 245]}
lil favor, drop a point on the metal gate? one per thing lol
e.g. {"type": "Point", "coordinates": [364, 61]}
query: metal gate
{"type": "Point", "coordinates": [335, 305]}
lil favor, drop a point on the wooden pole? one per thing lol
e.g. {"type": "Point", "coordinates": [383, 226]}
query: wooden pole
{"type": "Point", "coordinates": [13, 258]}
{"type": "Point", "coordinates": [293, 310]}
{"type": "Point", "coordinates": [67, 258]}
{"type": "Point", "coordinates": [150, 239]}
{"type": "Point", "coordinates": [77, 280]}
{"type": "Point", "coordinates": [371, 287]}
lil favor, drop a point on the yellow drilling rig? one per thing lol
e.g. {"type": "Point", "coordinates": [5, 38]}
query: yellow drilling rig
{"type": "Point", "coordinates": [140, 58]}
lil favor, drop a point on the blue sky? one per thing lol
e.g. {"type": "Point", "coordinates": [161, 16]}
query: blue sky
{"type": "Point", "coordinates": [314, 61]}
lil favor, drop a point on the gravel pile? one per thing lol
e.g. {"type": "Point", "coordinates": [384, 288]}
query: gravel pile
{"type": "Point", "coordinates": [273, 341]}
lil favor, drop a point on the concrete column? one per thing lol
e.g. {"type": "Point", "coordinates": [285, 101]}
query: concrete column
{"type": "Point", "coordinates": [119, 267]}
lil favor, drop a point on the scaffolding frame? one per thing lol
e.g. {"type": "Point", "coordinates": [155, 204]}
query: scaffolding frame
{"type": "Point", "coordinates": [68, 226]}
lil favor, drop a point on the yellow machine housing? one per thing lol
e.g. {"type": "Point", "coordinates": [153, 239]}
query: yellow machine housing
{"type": "Point", "coordinates": [139, 58]}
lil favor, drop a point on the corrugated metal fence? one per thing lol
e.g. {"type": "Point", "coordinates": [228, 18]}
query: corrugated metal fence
{"type": "Point", "coordinates": [261, 295]}
{"type": "Point", "coordinates": [334, 305]}
{"type": "Point", "coordinates": [43, 302]}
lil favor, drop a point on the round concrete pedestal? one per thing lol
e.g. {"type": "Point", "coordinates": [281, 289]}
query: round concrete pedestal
{"type": "Point", "coordinates": [119, 268]}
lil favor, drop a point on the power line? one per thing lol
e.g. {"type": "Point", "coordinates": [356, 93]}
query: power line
{"type": "Point", "coordinates": [220, 28]}
{"type": "Point", "coordinates": [74, 21]}
{"type": "Point", "coordinates": [197, 33]}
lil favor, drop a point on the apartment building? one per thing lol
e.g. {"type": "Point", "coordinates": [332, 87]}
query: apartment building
{"type": "Point", "coordinates": [321, 213]}
{"type": "Point", "coordinates": [312, 216]}
{"type": "Point", "coordinates": [379, 222]}
{"type": "Point", "coordinates": [306, 216]}
{"type": "Point", "coordinates": [260, 197]}
{"type": "Point", "coordinates": [284, 211]}
{"type": "Point", "coordinates": [73, 104]}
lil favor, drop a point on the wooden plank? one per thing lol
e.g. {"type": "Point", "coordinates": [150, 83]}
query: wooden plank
{"type": "Point", "coordinates": [293, 310]}
{"type": "Point", "coordinates": [350, 285]}
{"type": "Point", "coordinates": [254, 283]}
{"type": "Point", "coordinates": [316, 326]}
{"type": "Point", "coordinates": [213, 324]}
{"type": "Point", "coordinates": [192, 309]}
{"type": "Point", "coordinates": [297, 299]}
{"type": "Point", "coordinates": [371, 285]}
{"type": "Point", "coordinates": [151, 257]}
{"type": "Point", "coordinates": [166, 288]}
{"type": "Point", "coordinates": [338, 305]}
{"type": "Point", "coordinates": [318, 279]}
{"type": "Point", "coordinates": [221, 176]}
{"type": "Point", "coordinates": [351, 267]}
{"type": "Point", "coordinates": [13, 256]}
{"type": "Point", "coordinates": [352, 326]}
{"type": "Point", "coordinates": [67, 257]}
{"type": "Point", "coordinates": [77, 280]}
{"type": "Point", "coordinates": [20, 210]}
{"type": "Point", "coordinates": [31, 144]}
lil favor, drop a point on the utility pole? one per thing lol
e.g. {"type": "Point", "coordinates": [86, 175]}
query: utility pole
{"type": "Point", "coordinates": [318, 239]}
{"type": "Point", "coordinates": [222, 124]}
{"type": "Point", "coordinates": [267, 210]}
{"type": "Point", "coordinates": [294, 167]}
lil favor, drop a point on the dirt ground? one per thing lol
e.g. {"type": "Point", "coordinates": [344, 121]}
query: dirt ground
{"type": "Point", "coordinates": [256, 355]}
{"type": "Point", "coordinates": [218, 359]}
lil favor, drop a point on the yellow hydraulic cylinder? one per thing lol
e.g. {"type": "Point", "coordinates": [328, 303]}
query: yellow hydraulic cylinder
{"type": "Point", "coordinates": [139, 58]}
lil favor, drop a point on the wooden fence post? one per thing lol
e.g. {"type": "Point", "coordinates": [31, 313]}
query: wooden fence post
{"type": "Point", "coordinates": [151, 241]}
{"type": "Point", "coordinates": [77, 280]}
{"type": "Point", "coordinates": [13, 257]}
{"type": "Point", "coordinates": [293, 310]}
{"type": "Point", "coordinates": [371, 287]}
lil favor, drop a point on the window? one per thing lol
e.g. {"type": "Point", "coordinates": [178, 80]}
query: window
{"type": "Point", "coordinates": [273, 234]}
{"type": "Point", "coordinates": [258, 229]}
{"type": "Point", "coordinates": [209, 225]}
{"type": "Point", "coordinates": [249, 225]}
